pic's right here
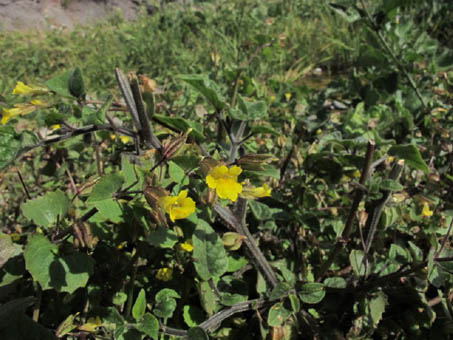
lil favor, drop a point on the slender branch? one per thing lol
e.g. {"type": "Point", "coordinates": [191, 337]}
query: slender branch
{"type": "Point", "coordinates": [232, 222]}
{"type": "Point", "coordinates": [341, 243]}
{"type": "Point", "coordinates": [401, 67]}
{"type": "Point", "coordinates": [23, 185]}
{"type": "Point", "coordinates": [77, 132]}
{"type": "Point", "coordinates": [444, 241]}
{"type": "Point", "coordinates": [377, 210]}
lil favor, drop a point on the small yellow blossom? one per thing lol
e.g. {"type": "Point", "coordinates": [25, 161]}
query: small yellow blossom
{"type": "Point", "coordinates": [186, 246]}
{"type": "Point", "coordinates": [318, 132]}
{"type": "Point", "coordinates": [224, 181]}
{"type": "Point", "coordinates": [91, 325]}
{"type": "Point", "coordinates": [356, 174]}
{"type": "Point", "coordinates": [21, 109]}
{"type": "Point", "coordinates": [425, 211]}
{"type": "Point", "coordinates": [272, 99]}
{"type": "Point", "coordinates": [390, 159]}
{"type": "Point", "coordinates": [287, 96]}
{"type": "Point", "coordinates": [178, 207]}
{"type": "Point", "coordinates": [18, 110]}
{"type": "Point", "coordinates": [125, 139]}
{"type": "Point", "coordinates": [21, 89]}
{"type": "Point", "coordinates": [164, 274]}
{"type": "Point", "coordinates": [55, 126]}
{"type": "Point", "coordinates": [256, 192]}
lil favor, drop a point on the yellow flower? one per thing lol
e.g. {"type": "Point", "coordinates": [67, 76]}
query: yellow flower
{"type": "Point", "coordinates": [287, 96]}
{"type": "Point", "coordinates": [224, 181]}
{"type": "Point", "coordinates": [356, 174]}
{"type": "Point", "coordinates": [256, 192]}
{"type": "Point", "coordinates": [425, 211]}
{"type": "Point", "coordinates": [125, 139]}
{"type": "Point", "coordinates": [21, 88]}
{"type": "Point", "coordinates": [91, 325]}
{"type": "Point", "coordinates": [178, 207]}
{"type": "Point", "coordinates": [164, 274]}
{"type": "Point", "coordinates": [186, 246]}
{"type": "Point", "coordinates": [18, 110]}
{"type": "Point", "coordinates": [21, 109]}
{"type": "Point", "coordinates": [55, 126]}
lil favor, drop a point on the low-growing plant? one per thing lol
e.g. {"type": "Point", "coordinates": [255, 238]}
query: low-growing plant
{"type": "Point", "coordinates": [234, 202]}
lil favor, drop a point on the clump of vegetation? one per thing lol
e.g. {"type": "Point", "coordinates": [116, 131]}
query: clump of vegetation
{"type": "Point", "coordinates": [217, 188]}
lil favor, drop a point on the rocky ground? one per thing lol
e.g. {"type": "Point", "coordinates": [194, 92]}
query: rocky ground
{"type": "Point", "coordinates": [45, 14]}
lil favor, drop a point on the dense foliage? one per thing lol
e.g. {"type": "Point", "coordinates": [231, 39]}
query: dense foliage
{"type": "Point", "coordinates": [258, 169]}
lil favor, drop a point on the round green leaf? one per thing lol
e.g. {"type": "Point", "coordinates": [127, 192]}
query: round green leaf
{"type": "Point", "coordinates": [312, 292]}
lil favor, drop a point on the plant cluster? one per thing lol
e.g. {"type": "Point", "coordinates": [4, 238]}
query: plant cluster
{"type": "Point", "coordinates": [234, 201]}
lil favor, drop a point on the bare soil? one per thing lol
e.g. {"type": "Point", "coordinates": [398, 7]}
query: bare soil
{"type": "Point", "coordinates": [48, 14]}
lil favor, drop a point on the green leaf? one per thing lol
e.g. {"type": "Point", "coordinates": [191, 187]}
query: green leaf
{"type": "Point", "coordinates": [399, 254]}
{"type": "Point", "coordinates": [280, 290]}
{"type": "Point", "coordinates": [165, 303]}
{"type": "Point", "coordinates": [163, 238]}
{"type": "Point", "coordinates": [8, 249]}
{"type": "Point", "coordinates": [175, 172]}
{"type": "Point", "coordinates": [208, 298]}
{"type": "Point", "coordinates": [71, 272]}
{"type": "Point", "coordinates": [138, 310]}
{"type": "Point", "coordinates": [236, 262]}
{"type": "Point", "coordinates": [390, 185]}
{"type": "Point", "coordinates": [207, 88]}
{"type": "Point", "coordinates": [39, 254]}
{"type": "Point", "coordinates": [60, 84]}
{"type": "Point", "coordinates": [210, 258]}
{"type": "Point", "coordinates": [110, 209]}
{"type": "Point", "coordinates": [411, 155]}
{"type": "Point", "coordinates": [9, 145]}
{"type": "Point", "coordinates": [181, 125]}
{"type": "Point", "coordinates": [349, 14]}
{"type": "Point", "coordinates": [197, 333]}
{"type": "Point", "coordinates": [149, 325]}
{"type": "Point", "coordinates": [192, 315]}
{"type": "Point", "coordinates": [64, 274]}
{"type": "Point", "coordinates": [277, 315]}
{"type": "Point", "coordinates": [356, 258]}
{"type": "Point", "coordinates": [295, 303]}
{"type": "Point", "coordinates": [76, 85]}
{"type": "Point", "coordinates": [105, 188]}
{"type": "Point", "coordinates": [249, 110]}
{"type": "Point", "coordinates": [260, 210]}
{"type": "Point", "coordinates": [47, 209]}
{"type": "Point", "coordinates": [335, 282]}
{"type": "Point", "coordinates": [312, 292]}
{"type": "Point", "coordinates": [263, 129]}
{"type": "Point", "coordinates": [377, 308]}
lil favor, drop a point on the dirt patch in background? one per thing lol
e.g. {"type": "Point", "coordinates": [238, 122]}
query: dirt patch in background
{"type": "Point", "coordinates": [48, 14]}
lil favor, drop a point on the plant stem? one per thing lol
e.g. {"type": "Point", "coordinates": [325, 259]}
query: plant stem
{"type": "Point", "coordinates": [400, 66]}
{"type": "Point", "coordinates": [232, 222]}
{"type": "Point", "coordinates": [341, 243]}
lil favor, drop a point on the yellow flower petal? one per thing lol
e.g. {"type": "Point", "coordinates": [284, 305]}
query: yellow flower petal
{"type": "Point", "coordinates": [186, 246]}
{"type": "Point", "coordinates": [178, 207]}
{"type": "Point", "coordinates": [21, 89]}
{"type": "Point", "coordinates": [426, 212]}
{"type": "Point", "coordinates": [224, 181]}
{"type": "Point", "coordinates": [125, 139]}
{"type": "Point", "coordinates": [256, 192]}
{"type": "Point", "coordinates": [16, 111]}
